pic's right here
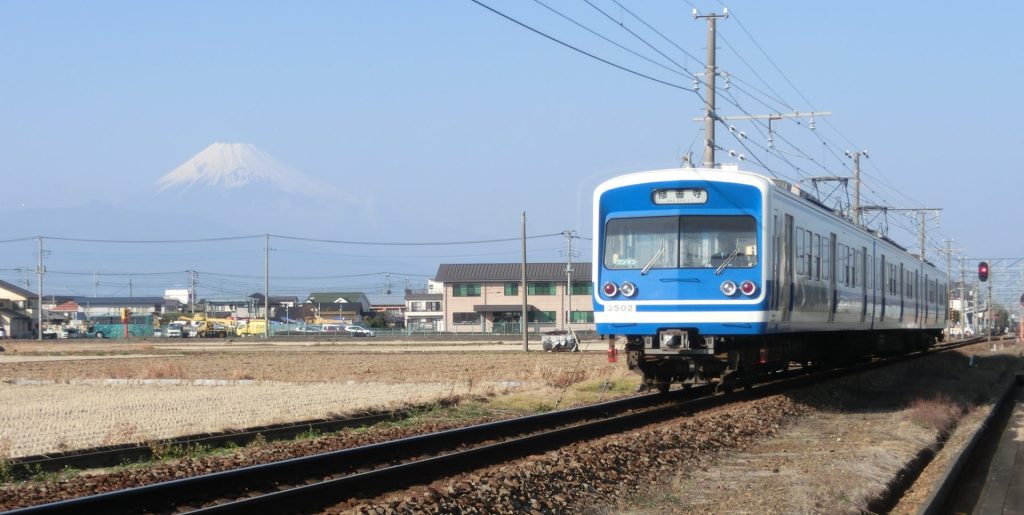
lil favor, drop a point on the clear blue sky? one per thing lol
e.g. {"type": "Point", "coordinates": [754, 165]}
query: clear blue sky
{"type": "Point", "coordinates": [416, 102]}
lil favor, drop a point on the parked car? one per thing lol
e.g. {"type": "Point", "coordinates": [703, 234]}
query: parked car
{"type": "Point", "coordinates": [358, 330]}
{"type": "Point", "coordinates": [49, 334]}
{"type": "Point", "coordinates": [175, 330]}
{"type": "Point", "coordinates": [68, 333]}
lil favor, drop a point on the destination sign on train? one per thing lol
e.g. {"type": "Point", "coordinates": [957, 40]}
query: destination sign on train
{"type": "Point", "coordinates": [681, 196]}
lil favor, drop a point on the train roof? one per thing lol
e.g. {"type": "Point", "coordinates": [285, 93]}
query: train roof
{"type": "Point", "coordinates": [732, 173]}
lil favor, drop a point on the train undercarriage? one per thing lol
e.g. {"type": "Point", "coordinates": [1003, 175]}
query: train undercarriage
{"type": "Point", "coordinates": [683, 357]}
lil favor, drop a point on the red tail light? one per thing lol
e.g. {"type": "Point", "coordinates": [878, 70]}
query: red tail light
{"type": "Point", "coordinates": [610, 289]}
{"type": "Point", "coordinates": [748, 288]}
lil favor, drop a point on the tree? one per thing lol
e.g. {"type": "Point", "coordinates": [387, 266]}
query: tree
{"type": "Point", "coordinates": [376, 321]}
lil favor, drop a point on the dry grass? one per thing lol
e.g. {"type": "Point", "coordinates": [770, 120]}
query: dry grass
{"type": "Point", "coordinates": [76, 404]}
{"type": "Point", "coordinates": [939, 413]}
{"type": "Point", "coordinates": [166, 370]}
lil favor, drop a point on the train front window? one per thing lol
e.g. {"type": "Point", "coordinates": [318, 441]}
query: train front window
{"type": "Point", "coordinates": [681, 242]}
{"type": "Point", "coordinates": [711, 241]}
{"type": "Point", "coordinates": [638, 243]}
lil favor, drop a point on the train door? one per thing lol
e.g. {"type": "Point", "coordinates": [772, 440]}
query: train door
{"type": "Point", "coordinates": [864, 276]}
{"type": "Point", "coordinates": [787, 269]}
{"type": "Point", "coordinates": [903, 291]}
{"type": "Point", "coordinates": [776, 259]}
{"type": "Point", "coordinates": [832, 295]}
{"type": "Point", "coordinates": [913, 294]}
{"type": "Point", "coordinates": [927, 297]}
{"type": "Point", "coordinates": [882, 268]}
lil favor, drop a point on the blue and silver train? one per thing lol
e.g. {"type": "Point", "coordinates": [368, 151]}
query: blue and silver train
{"type": "Point", "coordinates": [718, 275]}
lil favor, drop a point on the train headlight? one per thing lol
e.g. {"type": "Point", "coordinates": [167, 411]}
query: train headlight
{"type": "Point", "coordinates": [728, 288]}
{"type": "Point", "coordinates": [610, 289]}
{"type": "Point", "coordinates": [748, 288]}
{"type": "Point", "coordinates": [628, 289]}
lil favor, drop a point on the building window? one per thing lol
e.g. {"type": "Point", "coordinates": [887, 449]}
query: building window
{"type": "Point", "coordinates": [465, 318]}
{"type": "Point", "coordinates": [511, 289]}
{"type": "Point", "coordinates": [466, 290]}
{"type": "Point", "coordinates": [433, 306]}
{"type": "Point", "coordinates": [582, 288]}
{"type": "Point", "coordinates": [582, 317]}
{"type": "Point", "coordinates": [541, 288]}
{"type": "Point", "coordinates": [543, 317]}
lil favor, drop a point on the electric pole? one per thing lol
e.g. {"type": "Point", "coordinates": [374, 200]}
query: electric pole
{"type": "Point", "coordinates": [922, 217]}
{"type": "Point", "coordinates": [709, 88]}
{"type": "Point", "coordinates": [569, 235]}
{"type": "Point", "coordinates": [963, 301]}
{"type": "Point", "coordinates": [40, 271]}
{"type": "Point", "coordinates": [948, 251]}
{"type": "Point", "coordinates": [266, 287]}
{"type": "Point", "coordinates": [855, 208]}
{"type": "Point", "coordinates": [192, 292]}
{"type": "Point", "coordinates": [991, 311]}
{"type": "Point", "coordinates": [524, 322]}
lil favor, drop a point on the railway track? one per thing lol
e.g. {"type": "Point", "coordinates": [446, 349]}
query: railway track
{"type": "Point", "coordinates": [312, 482]}
{"type": "Point", "coordinates": [114, 455]}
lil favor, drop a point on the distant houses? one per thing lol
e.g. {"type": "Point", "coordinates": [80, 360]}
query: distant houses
{"type": "Point", "coordinates": [473, 297]}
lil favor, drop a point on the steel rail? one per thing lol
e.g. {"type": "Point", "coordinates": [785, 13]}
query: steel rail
{"type": "Point", "coordinates": [114, 455]}
{"type": "Point", "coordinates": [333, 491]}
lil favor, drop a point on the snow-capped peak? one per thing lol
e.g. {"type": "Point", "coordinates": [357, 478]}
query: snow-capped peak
{"type": "Point", "coordinates": [225, 166]}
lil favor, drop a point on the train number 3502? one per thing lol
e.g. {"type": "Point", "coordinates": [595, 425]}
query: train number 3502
{"type": "Point", "coordinates": [620, 307]}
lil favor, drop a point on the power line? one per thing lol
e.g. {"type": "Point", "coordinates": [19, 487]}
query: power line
{"type": "Point", "coordinates": [382, 243]}
{"type": "Point", "coordinates": [584, 52]}
{"type": "Point", "coordinates": [609, 40]}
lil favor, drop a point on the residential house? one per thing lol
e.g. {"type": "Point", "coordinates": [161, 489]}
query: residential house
{"type": "Point", "coordinates": [487, 298]}
{"type": "Point", "coordinates": [94, 307]}
{"type": "Point", "coordinates": [423, 311]}
{"type": "Point", "coordinates": [340, 306]}
{"type": "Point", "coordinates": [281, 306]}
{"type": "Point", "coordinates": [17, 311]}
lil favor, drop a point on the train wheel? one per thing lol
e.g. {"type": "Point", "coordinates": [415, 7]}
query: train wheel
{"type": "Point", "coordinates": [663, 387]}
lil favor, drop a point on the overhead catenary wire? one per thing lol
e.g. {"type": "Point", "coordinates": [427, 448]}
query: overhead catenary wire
{"type": "Point", "coordinates": [577, 49]}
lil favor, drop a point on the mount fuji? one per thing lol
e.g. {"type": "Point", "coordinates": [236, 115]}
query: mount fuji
{"type": "Point", "coordinates": [238, 182]}
{"type": "Point", "coordinates": [236, 166]}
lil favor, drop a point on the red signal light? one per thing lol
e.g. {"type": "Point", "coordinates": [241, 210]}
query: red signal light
{"type": "Point", "coordinates": [983, 271]}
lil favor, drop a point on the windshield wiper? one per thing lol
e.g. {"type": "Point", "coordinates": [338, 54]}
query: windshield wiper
{"type": "Point", "coordinates": [647, 267]}
{"type": "Point", "coordinates": [732, 255]}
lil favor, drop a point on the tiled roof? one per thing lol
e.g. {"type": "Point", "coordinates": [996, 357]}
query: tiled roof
{"type": "Point", "coordinates": [14, 314]}
{"type": "Point", "coordinates": [120, 301]}
{"type": "Point", "coordinates": [500, 272]}
{"type": "Point", "coordinates": [331, 297]}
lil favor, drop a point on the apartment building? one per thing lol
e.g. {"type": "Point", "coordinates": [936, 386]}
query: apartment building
{"type": "Point", "coordinates": [487, 298]}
